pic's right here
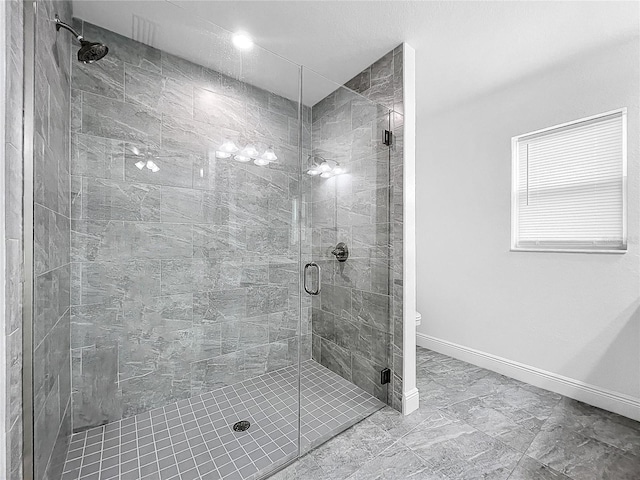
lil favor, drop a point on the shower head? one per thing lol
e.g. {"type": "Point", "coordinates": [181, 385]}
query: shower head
{"type": "Point", "coordinates": [89, 51]}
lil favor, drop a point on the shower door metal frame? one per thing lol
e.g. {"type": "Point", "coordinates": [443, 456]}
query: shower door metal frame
{"type": "Point", "coordinates": [28, 125]}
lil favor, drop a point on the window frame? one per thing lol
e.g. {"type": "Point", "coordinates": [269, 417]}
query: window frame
{"type": "Point", "coordinates": [514, 186]}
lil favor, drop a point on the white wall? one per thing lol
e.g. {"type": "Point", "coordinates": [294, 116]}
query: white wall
{"type": "Point", "coordinates": [573, 315]}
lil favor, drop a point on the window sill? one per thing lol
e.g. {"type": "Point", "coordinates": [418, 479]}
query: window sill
{"type": "Point", "coordinates": [568, 250]}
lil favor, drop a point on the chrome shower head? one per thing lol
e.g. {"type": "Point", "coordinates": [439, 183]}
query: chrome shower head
{"type": "Point", "coordinates": [89, 51]}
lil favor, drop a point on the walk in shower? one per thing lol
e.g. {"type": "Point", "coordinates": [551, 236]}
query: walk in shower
{"type": "Point", "coordinates": [215, 255]}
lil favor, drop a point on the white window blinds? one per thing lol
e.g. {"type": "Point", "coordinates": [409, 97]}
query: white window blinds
{"type": "Point", "coordinates": [569, 186]}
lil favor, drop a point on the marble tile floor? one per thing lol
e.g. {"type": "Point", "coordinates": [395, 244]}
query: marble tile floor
{"type": "Point", "coordinates": [193, 439]}
{"type": "Point", "coordinates": [477, 424]}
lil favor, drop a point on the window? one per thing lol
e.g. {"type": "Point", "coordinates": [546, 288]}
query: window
{"type": "Point", "coordinates": [569, 186]}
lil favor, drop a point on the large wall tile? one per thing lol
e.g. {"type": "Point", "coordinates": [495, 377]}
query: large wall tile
{"type": "Point", "coordinates": [164, 94]}
{"type": "Point", "coordinates": [105, 78]}
{"type": "Point", "coordinates": [97, 157]}
{"type": "Point", "coordinates": [104, 117]}
{"type": "Point", "coordinates": [124, 49]}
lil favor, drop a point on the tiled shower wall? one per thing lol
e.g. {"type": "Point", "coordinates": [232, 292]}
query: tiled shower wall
{"type": "Point", "coordinates": [52, 267]}
{"type": "Point", "coordinates": [184, 280]}
{"type": "Point", "coordinates": [357, 319]}
{"type": "Point", "coordinates": [11, 316]}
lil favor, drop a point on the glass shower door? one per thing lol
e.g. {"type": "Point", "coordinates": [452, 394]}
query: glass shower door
{"type": "Point", "coordinates": [346, 173]}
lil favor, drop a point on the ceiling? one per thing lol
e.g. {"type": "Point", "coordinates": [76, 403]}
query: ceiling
{"type": "Point", "coordinates": [463, 49]}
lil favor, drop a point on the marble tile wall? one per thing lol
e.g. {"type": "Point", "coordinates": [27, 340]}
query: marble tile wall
{"type": "Point", "coordinates": [357, 319]}
{"type": "Point", "coordinates": [11, 316]}
{"type": "Point", "coordinates": [52, 265]}
{"type": "Point", "coordinates": [187, 279]}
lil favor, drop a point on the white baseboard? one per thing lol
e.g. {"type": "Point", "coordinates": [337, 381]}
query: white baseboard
{"type": "Point", "coordinates": [569, 387]}
{"type": "Point", "coordinates": [410, 401]}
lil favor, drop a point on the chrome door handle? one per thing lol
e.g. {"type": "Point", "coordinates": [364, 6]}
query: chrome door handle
{"type": "Point", "coordinates": [306, 268]}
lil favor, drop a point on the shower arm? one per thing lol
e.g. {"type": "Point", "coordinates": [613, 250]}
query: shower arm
{"type": "Point", "coordinates": [60, 24]}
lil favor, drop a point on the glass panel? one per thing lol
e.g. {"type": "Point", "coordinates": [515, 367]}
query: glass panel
{"type": "Point", "coordinates": [346, 172]}
{"type": "Point", "coordinates": [167, 248]}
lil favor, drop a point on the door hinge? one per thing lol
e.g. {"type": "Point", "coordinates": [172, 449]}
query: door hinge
{"type": "Point", "coordinates": [385, 376]}
{"type": "Point", "coordinates": [387, 138]}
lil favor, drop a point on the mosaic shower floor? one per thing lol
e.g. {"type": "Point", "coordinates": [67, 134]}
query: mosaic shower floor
{"type": "Point", "coordinates": [194, 438]}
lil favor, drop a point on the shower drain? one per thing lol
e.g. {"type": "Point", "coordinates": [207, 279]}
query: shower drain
{"type": "Point", "coordinates": [241, 426]}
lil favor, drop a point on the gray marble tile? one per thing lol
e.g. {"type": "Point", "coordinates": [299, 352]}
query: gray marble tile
{"type": "Point", "coordinates": [459, 451]}
{"type": "Point", "coordinates": [155, 343]}
{"type": "Point", "coordinates": [283, 354]}
{"type": "Point", "coordinates": [398, 78]}
{"type": "Point", "coordinates": [13, 192]}
{"type": "Point", "coordinates": [104, 199]}
{"type": "Point", "coordinates": [207, 341]}
{"type": "Point", "coordinates": [14, 103]}
{"type": "Point", "coordinates": [14, 378]}
{"type": "Point", "coordinates": [316, 347]}
{"type": "Point", "coordinates": [344, 454]}
{"type": "Point", "coordinates": [336, 300]}
{"type": "Point", "coordinates": [284, 325]}
{"type": "Point", "coordinates": [435, 395]}
{"type": "Point", "coordinates": [168, 384]}
{"type": "Point", "coordinates": [323, 324]}
{"type": "Point", "coordinates": [177, 167]}
{"type": "Point", "coordinates": [245, 334]}
{"type": "Point", "coordinates": [581, 457]}
{"type": "Point", "coordinates": [366, 375]}
{"type": "Point", "coordinates": [13, 294]}
{"type": "Point", "coordinates": [283, 105]}
{"type": "Point", "coordinates": [51, 299]}
{"type": "Point", "coordinates": [104, 117]}
{"type": "Point", "coordinates": [218, 306]}
{"type": "Point", "coordinates": [164, 94]}
{"type": "Point", "coordinates": [96, 396]}
{"type": "Point", "coordinates": [95, 325]}
{"type": "Point", "coordinates": [46, 175]}
{"type": "Point", "coordinates": [306, 467]}
{"type": "Point", "coordinates": [265, 299]}
{"type": "Point", "coordinates": [382, 81]}
{"type": "Point", "coordinates": [181, 69]}
{"type": "Point", "coordinates": [192, 136]}
{"type": "Point", "coordinates": [76, 111]}
{"type": "Point", "coordinates": [515, 428]}
{"type": "Point", "coordinates": [539, 403]}
{"type": "Point", "coordinates": [596, 423]}
{"type": "Point", "coordinates": [397, 463]}
{"type": "Point", "coordinates": [263, 123]}
{"type": "Point", "coordinates": [371, 309]}
{"type": "Point", "coordinates": [158, 241]}
{"type": "Point", "coordinates": [220, 110]}
{"type": "Point", "coordinates": [105, 78]}
{"type": "Point", "coordinates": [529, 469]}
{"type": "Point", "coordinates": [111, 283]}
{"type": "Point", "coordinates": [361, 82]}
{"type": "Point", "coordinates": [124, 49]}
{"type": "Point", "coordinates": [14, 449]}
{"type": "Point", "coordinates": [45, 430]}
{"type": "Point", "coordinates": [182, 205]}
{"type": "Point", "coordinates": [217, 372]}
{"type": "Point", "coordinates": [396, 424]}
{"type": "Point", "coordinates": [256, 360]}
{"type": "Point", "coordinates": [336, 359]}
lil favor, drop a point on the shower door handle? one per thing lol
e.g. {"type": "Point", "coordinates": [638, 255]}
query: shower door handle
{"type": "Point", "coordinates": [306, 268]}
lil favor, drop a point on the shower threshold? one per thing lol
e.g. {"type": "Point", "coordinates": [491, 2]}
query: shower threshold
{"type": "Point", "coordinates": [195, 438]}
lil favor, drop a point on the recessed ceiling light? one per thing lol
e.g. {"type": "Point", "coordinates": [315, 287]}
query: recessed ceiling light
{"type": "Point", "coordinates": [242, 41]}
